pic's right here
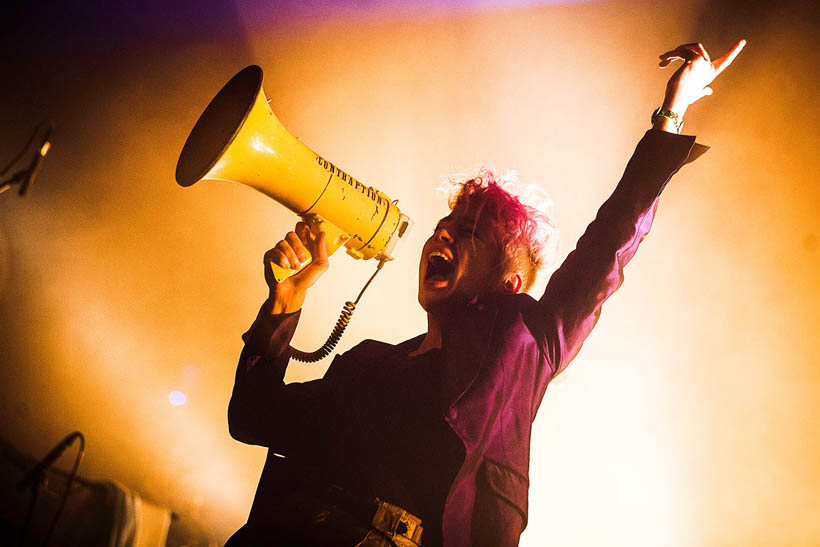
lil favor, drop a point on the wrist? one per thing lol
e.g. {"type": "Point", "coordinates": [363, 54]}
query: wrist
{"type": "Point", "coordinates": [674, 99]}
{"type": "Point", "coordinates": [677, 107]}
{"type": "Point", "coordinates": [665, 119]}
{"type": "Point", "coordinates": [664, 124]}
{"type": "Point", "coordinates": [279, 303]}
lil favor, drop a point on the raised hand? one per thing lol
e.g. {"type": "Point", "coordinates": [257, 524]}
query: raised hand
{"type": "Point", "coordinates": [289, 295]}
{"type": "Point", "coordinates": [691, 81]}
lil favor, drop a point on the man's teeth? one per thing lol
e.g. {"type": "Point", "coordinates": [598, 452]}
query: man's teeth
{"type": "Point", "coordinates": [439, 266]}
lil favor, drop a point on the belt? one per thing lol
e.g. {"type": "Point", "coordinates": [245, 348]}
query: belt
{"type": "Point", "coordinates": [388, 521]}
{"type": "Point", "coordinates": [399, 526]}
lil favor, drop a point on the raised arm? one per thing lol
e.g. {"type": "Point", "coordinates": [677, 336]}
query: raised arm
{"type": "Point", "coordinates": [572, 302]}
{"type": "Point", "coordinates": [263, 410]}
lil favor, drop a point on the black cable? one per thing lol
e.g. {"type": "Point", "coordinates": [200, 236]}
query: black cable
{"type": "Point", "coordinates": [77, 460]}
{"type": "Point", "coordinates": [338, 330]}
{"type": "Point", "coordinates": [35, 490]}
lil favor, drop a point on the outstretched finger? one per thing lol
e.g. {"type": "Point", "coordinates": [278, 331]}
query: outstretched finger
{"type": "Point", "coordinates": [723, 63]}
{"type": "Point", "coordinates": [703, 53]}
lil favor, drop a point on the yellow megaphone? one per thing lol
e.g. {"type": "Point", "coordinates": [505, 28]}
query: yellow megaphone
{"type": "Point", "coordinates": [239, 139]}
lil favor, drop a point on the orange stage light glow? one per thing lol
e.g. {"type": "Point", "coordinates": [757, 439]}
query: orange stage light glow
{"type": "Point", "coordinates": [690, 415]}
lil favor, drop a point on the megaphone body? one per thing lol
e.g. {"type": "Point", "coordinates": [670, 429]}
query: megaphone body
{"type": "Point", "coordinates": [239, 139]}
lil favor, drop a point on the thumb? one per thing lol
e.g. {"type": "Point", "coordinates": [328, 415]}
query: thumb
{"type": "Point", "coordinates": [320, 248]}
{"type": "Point", "coordinates": [706, 91]}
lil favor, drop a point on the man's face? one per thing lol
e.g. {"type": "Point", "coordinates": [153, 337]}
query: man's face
{"type": "Point", "coordinates": [458, 262]}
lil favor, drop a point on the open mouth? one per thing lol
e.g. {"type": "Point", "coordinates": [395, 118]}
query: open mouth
{"type": "Point", "coordinates": [439, 267]}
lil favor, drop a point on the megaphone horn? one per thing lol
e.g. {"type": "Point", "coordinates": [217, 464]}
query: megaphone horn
{"type": "Point", "coordinates": [239, 139]}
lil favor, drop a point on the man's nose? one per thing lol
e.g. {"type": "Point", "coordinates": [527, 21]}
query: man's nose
{"type": "Point", "coordinates": [443, 235]}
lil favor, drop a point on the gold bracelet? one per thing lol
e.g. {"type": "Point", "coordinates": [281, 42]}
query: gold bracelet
{"type": "Point", "coordinates": [669, 115]}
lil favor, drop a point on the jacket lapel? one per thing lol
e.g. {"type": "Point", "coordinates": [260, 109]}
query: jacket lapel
{"type": "Point", "coordinates": [466, 345]}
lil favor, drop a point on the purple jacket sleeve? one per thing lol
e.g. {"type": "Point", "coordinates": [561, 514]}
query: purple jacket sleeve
{"type": "Point", "coordinates": [572, 302]}
{"type": "Point", "coordinates": [263, 410]}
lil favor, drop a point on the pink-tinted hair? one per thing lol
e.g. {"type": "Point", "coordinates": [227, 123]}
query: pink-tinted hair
{"type": "Point", "coordinates": [523, 234]}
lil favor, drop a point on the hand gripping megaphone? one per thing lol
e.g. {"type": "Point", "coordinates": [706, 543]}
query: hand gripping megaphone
{"type": "Point", "coordinates": [238, 138]}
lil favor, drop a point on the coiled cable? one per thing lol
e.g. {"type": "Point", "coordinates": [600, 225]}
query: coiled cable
{"type": "Point", "coordinates": [338, 329]}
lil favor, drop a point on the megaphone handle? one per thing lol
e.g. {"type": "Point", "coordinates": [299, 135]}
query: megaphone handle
{"type": "Point", "coordinates": [335, 238]}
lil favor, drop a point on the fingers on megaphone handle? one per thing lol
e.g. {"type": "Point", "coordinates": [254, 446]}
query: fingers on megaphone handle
{"type": "Point", "coordinates": [274, 269]}
{"type": "Point", "coordinates": [283, 260]}
{"type": "Point", "coordinates": [283, 255]}
{"type": "Point", "coordinates": [299, 244]}
{"type": "Point", "coordinates": [314, 242]}
{"type": "Point", "coordinates": [297, 253]}
{"type": "Point", "coordinates": [298, 250]}
{"type": "Point", "coordinates": [316, 265]}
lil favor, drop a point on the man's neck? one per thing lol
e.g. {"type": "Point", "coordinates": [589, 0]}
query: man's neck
{"type": "Point", "coordinates": [432, 339]}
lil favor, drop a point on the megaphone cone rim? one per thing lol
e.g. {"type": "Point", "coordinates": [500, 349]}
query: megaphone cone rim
{"type": "Point", "coordinates": [189, 168]}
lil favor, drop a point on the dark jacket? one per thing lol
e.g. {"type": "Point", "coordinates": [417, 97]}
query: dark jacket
{"type": "Point", "coordinates": [499, 355]}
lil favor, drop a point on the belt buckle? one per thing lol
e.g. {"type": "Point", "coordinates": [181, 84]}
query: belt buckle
{"type": "Point", "coordinates": [402, 527]}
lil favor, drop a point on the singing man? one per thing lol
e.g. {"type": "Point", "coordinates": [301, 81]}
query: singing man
{"type": "Point", "coordinates": [428, 442]}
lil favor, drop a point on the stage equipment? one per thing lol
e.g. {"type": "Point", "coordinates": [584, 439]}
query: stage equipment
{"type": "Point", "coordinates": [238, 138]}
{"type": "Point", "coordinates": [26, 176]}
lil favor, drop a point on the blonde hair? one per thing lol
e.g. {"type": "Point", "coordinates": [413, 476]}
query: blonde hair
{"type": "Point", "coordinates": [526, 236]}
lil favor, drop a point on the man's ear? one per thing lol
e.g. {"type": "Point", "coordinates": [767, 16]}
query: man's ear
{"type": "Point", "coordinates": [512, 283]}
